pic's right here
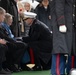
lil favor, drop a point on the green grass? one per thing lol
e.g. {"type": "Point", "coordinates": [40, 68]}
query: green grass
{"type": "Point", "coordinates": [47, 72]}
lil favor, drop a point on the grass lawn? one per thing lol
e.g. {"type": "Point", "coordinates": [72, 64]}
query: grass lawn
{"type": "Point", "coordinates": [46, 72]}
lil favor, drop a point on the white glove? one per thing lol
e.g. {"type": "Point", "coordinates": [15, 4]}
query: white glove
{"type": "Point", "coordinates": [62, 28]}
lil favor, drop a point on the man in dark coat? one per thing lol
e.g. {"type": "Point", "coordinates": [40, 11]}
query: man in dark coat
{"type": "Point", "coordinates": [39, 40]}
{"type": "Point", "coordinates": [62, 22]}
{"type": "Point", "coordinates": [11, 7]}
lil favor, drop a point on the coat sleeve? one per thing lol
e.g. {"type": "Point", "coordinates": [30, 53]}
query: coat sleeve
{"type": "Point", "coordinates": [60, 10]}
{"type": "Point", "coordinates": [4, 36]}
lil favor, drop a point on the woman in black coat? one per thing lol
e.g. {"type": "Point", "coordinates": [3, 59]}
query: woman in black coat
{"type": "Point", "coordinates": [43, 12]}
{"type": "Point", "coordinates": [39, 39]}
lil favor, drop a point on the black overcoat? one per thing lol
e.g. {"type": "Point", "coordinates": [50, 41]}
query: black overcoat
{"type": "Point", "coordinates": [43, 14]}
{"type": "Point", "coordinates": [61, 12]}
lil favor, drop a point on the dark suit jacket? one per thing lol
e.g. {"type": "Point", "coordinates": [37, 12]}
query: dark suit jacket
{"type": "Point", "coordinates": [4, 35]}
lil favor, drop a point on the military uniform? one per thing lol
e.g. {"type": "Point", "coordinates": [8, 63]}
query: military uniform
{"type": "Point", "coordinates": [40, 41]}
{"type": "Point", "coordinates": [61, 14]}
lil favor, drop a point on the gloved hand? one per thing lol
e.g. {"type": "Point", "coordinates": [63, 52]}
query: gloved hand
{"type": "Point", "coordinates": [62, 28]}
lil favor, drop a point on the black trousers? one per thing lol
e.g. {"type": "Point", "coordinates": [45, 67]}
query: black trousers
{"type": "Point", "coordinates": [39, 49]}
{"type": "Point", "coordinates": [3, 49]}
{"type": "Point", "coordinates": [15, 52]}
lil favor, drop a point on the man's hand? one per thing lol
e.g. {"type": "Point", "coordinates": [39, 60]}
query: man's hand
{"type": "Point", "coordinates": [2, 41]}
{"type": "Point", "coordinates": [62, 28]}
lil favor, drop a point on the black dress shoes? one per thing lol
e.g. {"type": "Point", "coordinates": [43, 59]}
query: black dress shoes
{"type": "Point", "coordinates": [37, 68]}
{"type": "Point", "coordinates": [26, 68]}
{"type": "Point", "coordinates": [6, 69]}
{"type": "Point", "coordinates": [4, 72]}
{"type": "Point", "coordinates": [13, 68]}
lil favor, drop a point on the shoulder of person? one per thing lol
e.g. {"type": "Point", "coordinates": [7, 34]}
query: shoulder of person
{"type": "Point", "coordinates": [41, 24]}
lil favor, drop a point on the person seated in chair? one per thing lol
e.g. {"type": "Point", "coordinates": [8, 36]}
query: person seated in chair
{"type": "Point", "coordinates": [39, 39]}
{"type": "Point", "coordinates": [3, 46]}
{"type": "Point", "coordinates": [16, 48]}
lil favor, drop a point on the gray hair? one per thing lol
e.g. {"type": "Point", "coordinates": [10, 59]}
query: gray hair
{"type": "Point", "coordinates": [7, 16]}
{"type": "Point", "coordinates": [2, 11]}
